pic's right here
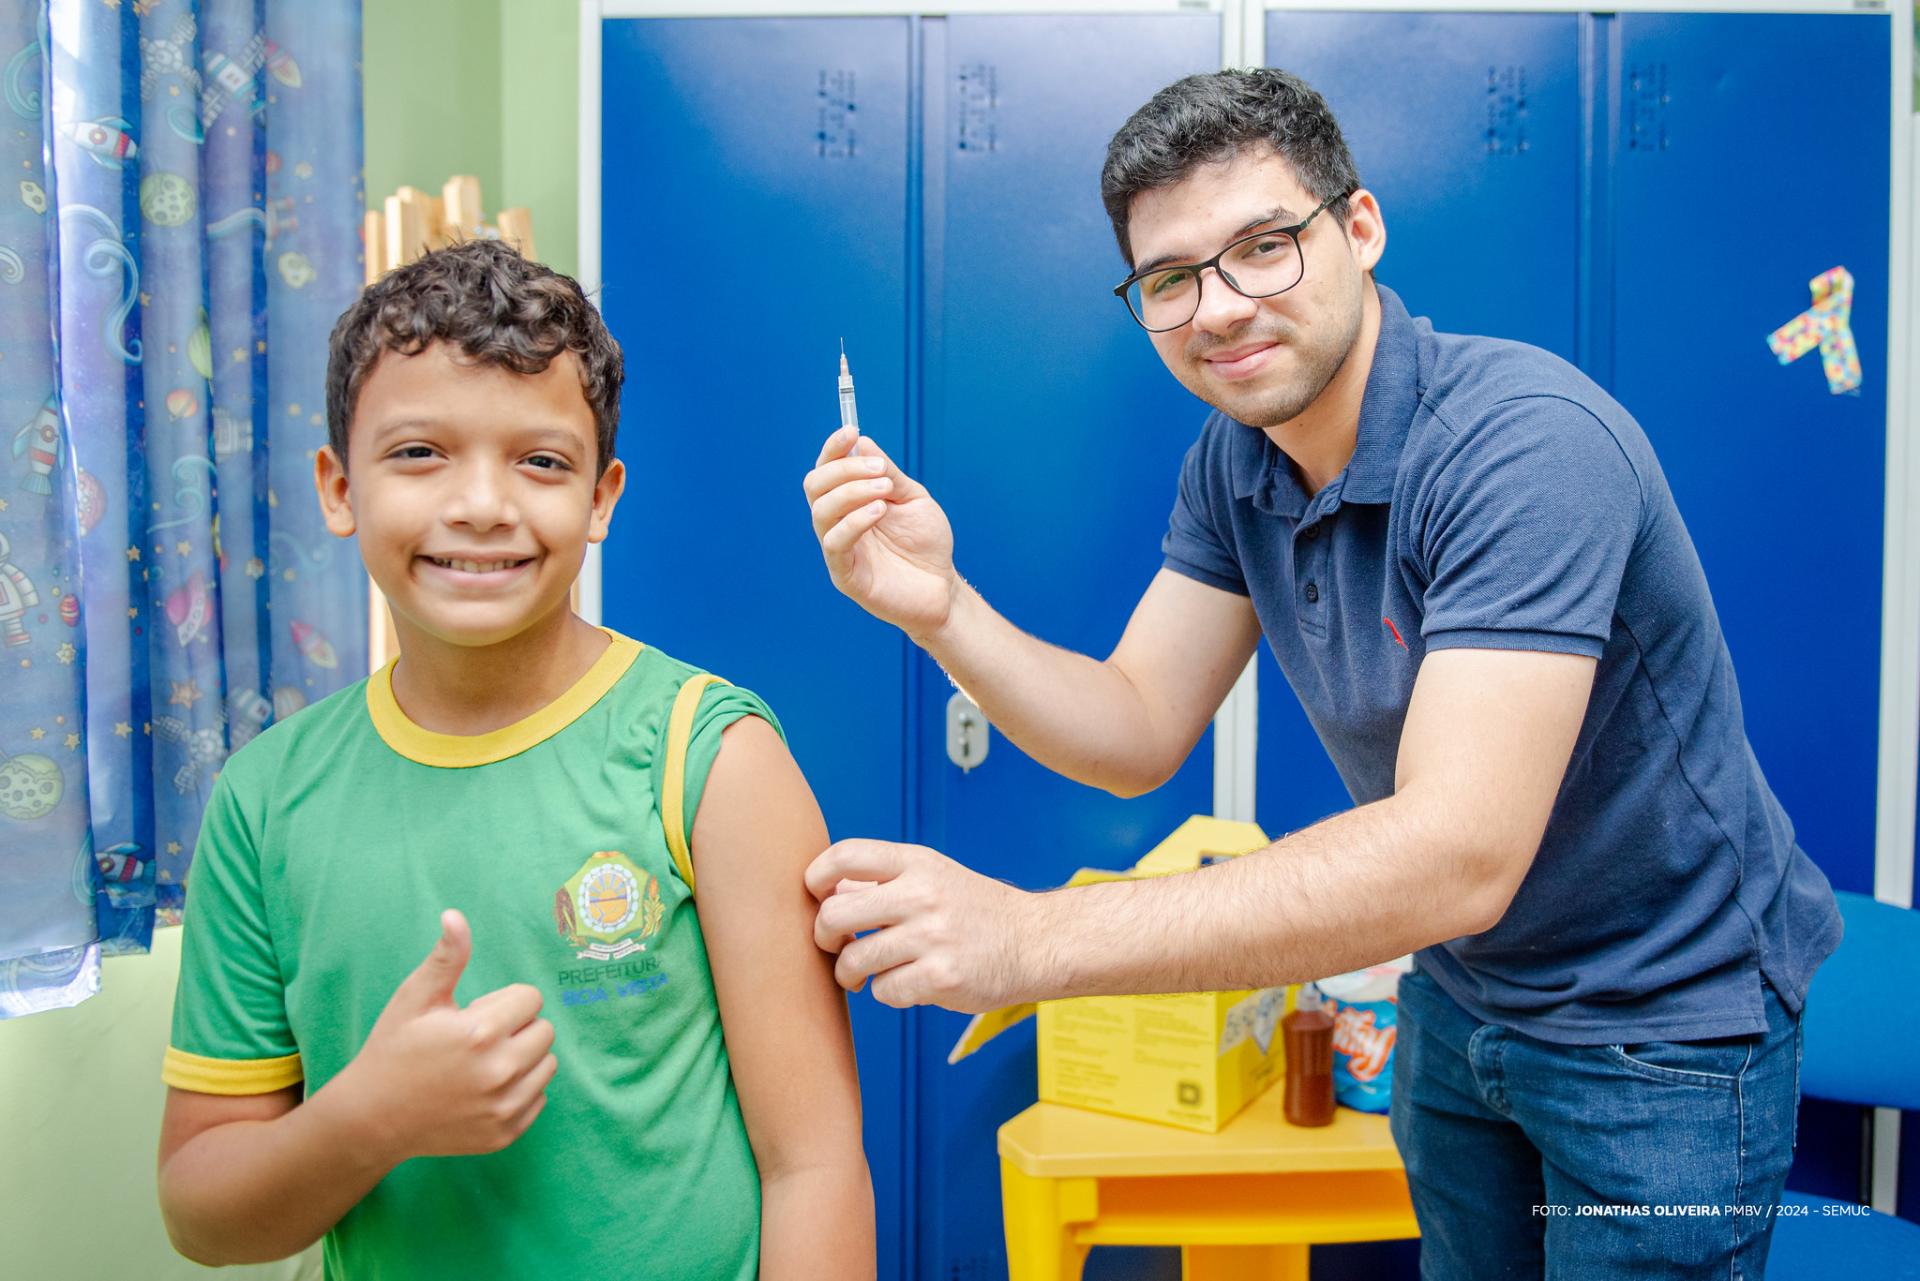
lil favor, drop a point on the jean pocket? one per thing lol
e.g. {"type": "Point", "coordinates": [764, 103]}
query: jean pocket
{"type": "Point", "coordinates": [1717, 1063]}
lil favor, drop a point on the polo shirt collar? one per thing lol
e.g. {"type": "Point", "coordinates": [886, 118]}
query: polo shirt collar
{"type": "Point", "coordinates": [1263, 473]}
{"type": "Point", "coordinates": [1387, 407]}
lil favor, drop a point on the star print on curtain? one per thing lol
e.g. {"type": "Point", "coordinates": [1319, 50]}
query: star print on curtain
{"type": "Point", "coordinates": [179, 228]}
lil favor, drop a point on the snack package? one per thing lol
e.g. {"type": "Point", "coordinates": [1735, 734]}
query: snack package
{"type": "Point", "coordinates": [1364, 1005]}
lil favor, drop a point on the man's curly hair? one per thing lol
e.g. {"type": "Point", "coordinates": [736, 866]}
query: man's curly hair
{"type": "Point", "coordinates": [498, 308]}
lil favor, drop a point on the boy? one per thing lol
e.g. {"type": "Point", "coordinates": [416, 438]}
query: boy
{"type": "Point", "coordinates": [562, 1059]}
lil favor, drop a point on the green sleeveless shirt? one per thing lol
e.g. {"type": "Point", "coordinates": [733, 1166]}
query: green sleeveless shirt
{"type": "Point", "coordinates": [330, 846]}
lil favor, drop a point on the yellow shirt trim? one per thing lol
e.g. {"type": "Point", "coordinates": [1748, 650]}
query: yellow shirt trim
{"type": "Point", "coordinates": [196, 1072]}
{"type": "Point", "coordinates": [673, 788]}
{"type": "Point", "coordinates": [463, 751]}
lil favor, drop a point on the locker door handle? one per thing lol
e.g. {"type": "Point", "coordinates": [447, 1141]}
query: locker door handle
{"type": "Point", "coordinates": [967, 732]}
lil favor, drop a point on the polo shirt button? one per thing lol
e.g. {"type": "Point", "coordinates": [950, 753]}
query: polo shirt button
{"type": "Point", "coordinates": [1313, 532]}
{"type": "Point", "coordinates": [1313, 593]}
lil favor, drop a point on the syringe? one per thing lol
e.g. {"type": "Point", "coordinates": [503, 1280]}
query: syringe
{"type": "Point", "coordinates": [849, 416]}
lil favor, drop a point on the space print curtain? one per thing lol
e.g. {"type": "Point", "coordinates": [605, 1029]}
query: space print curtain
{"type": "Point", "coordinates": [179, 227]}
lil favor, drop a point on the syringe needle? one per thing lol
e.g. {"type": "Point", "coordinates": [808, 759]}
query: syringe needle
{"type": "Point", "coordinates": [849, 416]}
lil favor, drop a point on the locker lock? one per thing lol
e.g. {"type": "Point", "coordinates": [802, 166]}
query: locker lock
{"type": "Point", "coordinates": [967, 732]}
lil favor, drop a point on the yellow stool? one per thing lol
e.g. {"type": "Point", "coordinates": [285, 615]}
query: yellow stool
{"type": "Point", "coordinates": [1241, 1204]}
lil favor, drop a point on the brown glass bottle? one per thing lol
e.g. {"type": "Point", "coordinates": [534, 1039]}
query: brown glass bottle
{"type": "Point", "coordinates": [1309, 1088]}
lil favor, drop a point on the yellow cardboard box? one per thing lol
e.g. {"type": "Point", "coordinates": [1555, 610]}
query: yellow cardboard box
{"type": "Point", "coordinates": [1191, 1060]}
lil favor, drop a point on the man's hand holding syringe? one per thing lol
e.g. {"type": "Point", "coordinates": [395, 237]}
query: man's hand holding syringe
{"type": "Point", "coordinates": [1123, 724]}
{"type": "Point", "coordinates": [902, 574]}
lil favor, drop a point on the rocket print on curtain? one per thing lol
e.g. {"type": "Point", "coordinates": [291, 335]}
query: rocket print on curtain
{"type": "Point", "coordinates": [179, 227]}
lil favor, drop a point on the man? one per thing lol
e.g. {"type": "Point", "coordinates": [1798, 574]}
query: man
{"type": "Point", "coordinates": [1468, 562]}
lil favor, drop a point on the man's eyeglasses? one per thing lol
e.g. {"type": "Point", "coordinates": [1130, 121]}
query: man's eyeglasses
{"type": "Point", "coordinates": [1258, 266]}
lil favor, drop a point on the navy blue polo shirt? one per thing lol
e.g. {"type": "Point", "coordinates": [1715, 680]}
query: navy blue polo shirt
{"type": "Point", "coordinates": [1499, 499]}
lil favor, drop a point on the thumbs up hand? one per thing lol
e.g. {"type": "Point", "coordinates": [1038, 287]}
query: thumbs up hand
{"type": "Point", "coordinates": [434, 1079]}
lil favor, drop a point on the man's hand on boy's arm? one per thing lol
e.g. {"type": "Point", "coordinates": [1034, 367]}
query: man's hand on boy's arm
{"type": "Point", "coordinates": [251, 1178]}
{"type": "Point", "coordinates": [1483, 753]}
{"type": "Point", "coordinates": [785, 1018]}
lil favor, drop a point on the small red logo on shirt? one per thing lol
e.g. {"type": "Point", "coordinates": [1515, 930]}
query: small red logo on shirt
{"type": "Point", "coordinates": [1395, 630]}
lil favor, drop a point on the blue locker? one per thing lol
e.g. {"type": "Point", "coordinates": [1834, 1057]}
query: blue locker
{"type": "Point", "coordinates": [754, 211]}
{"type": "Point", "coordinates": [1734, 185]}
{"type": "Point", "coordinates": [1500, 136]}
{"type": "Point", "coordinates": [1467, 127]}
{"type": "Point", "coordinates": [1053, 437]}
{"type": "Point", "coordinates": [1712, 132]}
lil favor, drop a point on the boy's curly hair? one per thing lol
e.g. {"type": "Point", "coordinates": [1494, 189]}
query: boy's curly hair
{"type": "Point", "coordinates": [496, 307]}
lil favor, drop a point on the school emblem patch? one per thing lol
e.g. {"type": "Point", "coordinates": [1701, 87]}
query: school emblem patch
{"type": "Point", "coordinates": [607, 907]}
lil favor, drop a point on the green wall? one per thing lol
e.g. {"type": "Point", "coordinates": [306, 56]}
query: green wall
{"type": "Point", "coordinates": [431, 82]}
{"type": "Point", "coordinates": [485, 87]}
{"type": "Point", "coordinates": [539, 121]}
{"type": "Point", "coordinates": [81, 1126]}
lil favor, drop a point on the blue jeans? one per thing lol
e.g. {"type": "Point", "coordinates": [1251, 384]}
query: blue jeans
{"type": "Point", "coordinates": [1588, 1162]}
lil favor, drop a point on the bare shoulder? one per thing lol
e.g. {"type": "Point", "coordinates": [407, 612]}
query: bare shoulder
{"type": "Point", "coordinates": [756, 801]}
